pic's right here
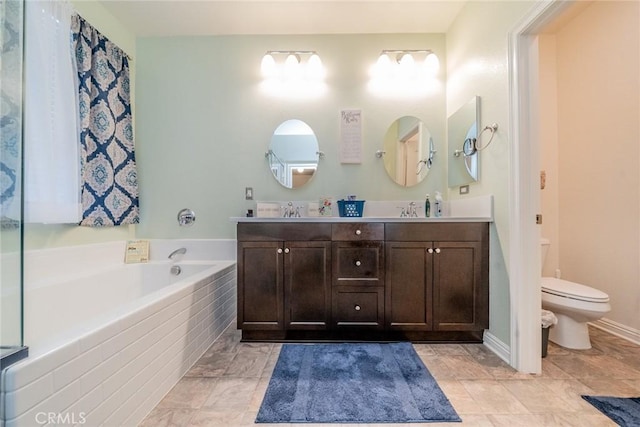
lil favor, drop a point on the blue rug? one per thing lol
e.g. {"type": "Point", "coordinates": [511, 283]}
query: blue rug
{"type": "Point", "coordinates": [625, 411]}
{"type": "Point", "coordinates": [353, 383]}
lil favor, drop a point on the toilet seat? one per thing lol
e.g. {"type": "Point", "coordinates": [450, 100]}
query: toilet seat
{"type": "Point", "coordinates": [566, 289]}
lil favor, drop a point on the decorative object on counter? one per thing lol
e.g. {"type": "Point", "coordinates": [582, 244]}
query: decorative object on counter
{"type": "Point", "coordinates": [249, 213]}
{"type": "Point", "coordinates": [186, 217]}
{"type": "Point", "coordinates": [353, 383]}
{"type": "Point", "coordinates": [438, 207]}
{"type": "Point", "coordinates": [350, 208]}
{"type": "Point", "coordinates": [268, 210]}
{"type": "Point", "coordinates": [290, 211]}
{"type": "Point", "coordinates": [427, 207]}
{"type": "Point", "coordinates": [324, 206]}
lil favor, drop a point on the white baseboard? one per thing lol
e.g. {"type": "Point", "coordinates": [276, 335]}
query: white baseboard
{"type": "Point", "coordinates": [502, 350]}
{"type": "Point", "coordinates": [626, 332]}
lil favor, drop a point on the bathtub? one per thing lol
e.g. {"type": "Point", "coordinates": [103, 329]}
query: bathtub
{"type": "Point", "coordinates": [108, 340]}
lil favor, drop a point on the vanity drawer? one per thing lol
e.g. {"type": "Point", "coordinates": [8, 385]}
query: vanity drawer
{"type": "Point", "coordinates": [357, 231]}
{"type": "Point", "coordinates": [357, 260]}
{"type": "Point", "coordinates": [358, 306]}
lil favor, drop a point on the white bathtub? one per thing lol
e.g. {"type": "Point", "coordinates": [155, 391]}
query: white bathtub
{"type": "Point", "coordinates": [106, 346]}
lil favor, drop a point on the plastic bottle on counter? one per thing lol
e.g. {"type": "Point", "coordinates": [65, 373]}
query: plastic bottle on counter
{"type": "Point", "coordinates": [438, 207]}
{"type": "Point", "coordinates": [427, 207]}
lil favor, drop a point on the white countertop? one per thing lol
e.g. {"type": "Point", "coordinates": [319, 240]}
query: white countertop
{"type": "Point", "coordinates": [332, 219]}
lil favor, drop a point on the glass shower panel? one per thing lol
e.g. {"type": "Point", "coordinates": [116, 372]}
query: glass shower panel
{"type": "Point", "coordinates": [11, 39]}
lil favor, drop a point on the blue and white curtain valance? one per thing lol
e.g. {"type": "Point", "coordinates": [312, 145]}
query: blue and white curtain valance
{"type": "Point", "coordinates": [109, 190]}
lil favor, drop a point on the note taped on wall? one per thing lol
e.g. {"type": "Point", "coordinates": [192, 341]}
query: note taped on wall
{"type": "Point", "coordinates": [351, 136]}
{"type": "Point", "coordinates": [136, 251]}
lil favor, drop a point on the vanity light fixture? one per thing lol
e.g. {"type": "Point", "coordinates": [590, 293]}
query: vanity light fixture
{"type": "Point", "coordinates": [292, 64]}
{"type": "Point", "coordinates": [407, 62]}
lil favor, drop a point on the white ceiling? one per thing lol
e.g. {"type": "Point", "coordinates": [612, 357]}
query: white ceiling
{"type": "Point", "coordinates": [215, 17]}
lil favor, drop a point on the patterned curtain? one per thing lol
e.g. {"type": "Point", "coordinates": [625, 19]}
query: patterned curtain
{"type": "Point", "coordinates": [109, 179]}
{"type": "Point", "coordinates": [10, 112]}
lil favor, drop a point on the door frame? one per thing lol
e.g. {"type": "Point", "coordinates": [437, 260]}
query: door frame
{"type": "Point", "coordinates": [524, 190]}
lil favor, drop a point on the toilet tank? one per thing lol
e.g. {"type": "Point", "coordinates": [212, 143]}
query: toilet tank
{"type": "Point", "coordinates": [544, 248]}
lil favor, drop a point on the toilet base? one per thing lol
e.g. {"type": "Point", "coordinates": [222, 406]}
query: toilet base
{"type": "Point", "coordinates": [570, 333]}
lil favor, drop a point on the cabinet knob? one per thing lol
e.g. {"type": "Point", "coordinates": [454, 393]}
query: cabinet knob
{"type": "Point", "coordinates": [358, 232]}
{"type": "Point", "coordinates": [358, 263]}
{"type": "Point", "coordinates": [279, 250]}
{"type": "Point", "coordinates": [286, 250]}
{"type": "Point", "coordinates": [357, 307]}
{"type": "Point", "coordinates": [437, 250]}
{"type": "Point", "coordinates": [430, 250]}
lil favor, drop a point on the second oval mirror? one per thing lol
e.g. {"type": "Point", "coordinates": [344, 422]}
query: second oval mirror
{"type": "Point", "coordinates": [408, 151]}
{"type": "Point", "coordinates": [293, 153]}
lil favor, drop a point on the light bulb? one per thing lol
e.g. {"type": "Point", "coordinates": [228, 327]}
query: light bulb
{"type": "Point", "coordinates": [292, 67]}
{"type": "Point", "coordinates": [383, 66]}
{"type": "Point", "coordinates": [268, 66]}
{"type": "Point", "coordinates": [314, 67]}
{"type": "Point", "coordinates": [431, 64]}
{"type": "Point", "coordinates": [406, 66]}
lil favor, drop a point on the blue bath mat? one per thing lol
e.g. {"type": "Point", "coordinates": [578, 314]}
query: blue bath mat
{"type": "Point", "coordinates": [353, 383]}
{"type": "Point", "coordinates": [625, 411]}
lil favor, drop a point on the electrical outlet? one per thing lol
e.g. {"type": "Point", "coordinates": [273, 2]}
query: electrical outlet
{"type": "Point", "coordinates": [248, 193]}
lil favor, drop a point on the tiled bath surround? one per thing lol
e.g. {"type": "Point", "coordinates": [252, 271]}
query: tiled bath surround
{"type": "Point", "coordinates": [117, 372]}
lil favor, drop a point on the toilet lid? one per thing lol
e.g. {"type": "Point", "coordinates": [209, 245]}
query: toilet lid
{"type": "Point", "coordinates": [567, 289]}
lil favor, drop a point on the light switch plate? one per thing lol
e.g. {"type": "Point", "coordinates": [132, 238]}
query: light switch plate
{"type": "Point", "coordinates": [248, 193]}
{"type": "Point", "coordinates": [464, 189]}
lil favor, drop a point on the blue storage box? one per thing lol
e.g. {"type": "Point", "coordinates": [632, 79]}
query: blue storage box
{"type": "Point", "coordinates": [351, 208]}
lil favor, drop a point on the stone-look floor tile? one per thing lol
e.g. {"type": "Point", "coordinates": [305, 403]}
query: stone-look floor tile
{"type": "Point", "coordinates": [460, 398]}
{"type": "Point", "coordinates": [231, 394]}
{"type": "Point", "coordinates": [548, 420]}
{"type": "Point", "coordinates": [247, 364]}
{"type": "Point", "coordinates": [493, 397]}
{"type": "Point", "coordinates": [610, 367]}
{"type": "Point", "coordinates": [214, 365]}
{"type": "Point", "coordinates": [635, 384]}
{"type": "Point", "coordinates": [586, 419]}
{"type": "Point", "coordinates": [258, 394]}
{"type": "Point", "coordinates": [471, 420]}
{"type": "Point", "coordinates": [424, 349]}
{"type": "Point", "coordinates": [466, 368]}
{"type": "Point", "coordinates": [206, 418]}
{"type": "Point", "coordinates": [168, 417]}
{"type": "Point", "coordinates": [551, 370]}
{"type": "Point", "coordinates": [271, 363]}
{"type": "Point", "coordinates": [254, 347]}
{"type": "Point", "coordinates": [226, 343]}
{"type": "Point", "coordinates": [437, 367]}
{"type": "Point", "coordinates": [189, 393]}
{"type": "Point", "coordinates": [536, 396]}
{"type": "Point", "coordinates": [611, 387]}
{"type": "Point", "coordinates": [450, 350]}
{"type": "Point", "coordinates": [570, 391]}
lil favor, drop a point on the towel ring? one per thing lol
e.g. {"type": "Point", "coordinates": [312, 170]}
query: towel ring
{"type": "Point", "coordinates": [492, 128]}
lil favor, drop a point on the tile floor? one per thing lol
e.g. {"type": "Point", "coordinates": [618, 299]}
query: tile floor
{"type": "Point", "coordinates": [226, 386]}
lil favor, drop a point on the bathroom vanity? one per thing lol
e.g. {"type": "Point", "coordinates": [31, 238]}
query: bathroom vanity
{"type": "Point", "coordinates": [313, 279]}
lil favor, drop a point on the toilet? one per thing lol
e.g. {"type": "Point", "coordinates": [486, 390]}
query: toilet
{"type": "Point", "coordinates": [574, 305]}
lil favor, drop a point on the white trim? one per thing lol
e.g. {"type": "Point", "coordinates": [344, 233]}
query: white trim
{"type": "Point", "coordinates": [618, 329]}
{"type": "Point", "coordinates": [524, 259]}
{"type": "Point", "coordinates": [498, 347]}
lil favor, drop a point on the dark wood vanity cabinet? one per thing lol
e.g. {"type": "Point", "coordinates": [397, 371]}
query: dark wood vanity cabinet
{"type": "Point", "coordinates": [422, 281]}
{"type": "Point", "coordinates": [284, 284]}
{"type": "Point", "coordinates": [437, 276]}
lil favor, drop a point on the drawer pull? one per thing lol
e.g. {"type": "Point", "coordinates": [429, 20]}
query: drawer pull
{"type": "Point", "coordinates": [357, 307]}
{"type": "Point", "coordinates": [286, 250]}
{"type": "Point", "coordinates": [358, 263]}
{"type": "Point", "coordinates": [279, 250]}
{"type": "Point", "coordinates": [430, 250]}
{"type": "Point", "coordinates": [437, 250]}
{"type": "Point", "coordinates": [358, 232]}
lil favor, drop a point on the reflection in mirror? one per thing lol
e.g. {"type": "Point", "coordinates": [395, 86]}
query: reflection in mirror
{"type": "Point", "coordinates": [408, 151]}
{"type": "Point", "coordinates": [462, 132]}
{"type": "Point", "coordinates": [293, 153]}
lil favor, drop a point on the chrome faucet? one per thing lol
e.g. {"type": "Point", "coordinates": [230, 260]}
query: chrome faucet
{"type": "Point", "coordinates": [180, 251]}
{"type": "Point", "coordinates": [411, 211]}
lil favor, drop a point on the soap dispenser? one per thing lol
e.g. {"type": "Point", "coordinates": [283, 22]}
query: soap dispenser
{"type": "Point", "coordinates": [438, 208]}
{"type": "Point", "coordinates": [427, 207]}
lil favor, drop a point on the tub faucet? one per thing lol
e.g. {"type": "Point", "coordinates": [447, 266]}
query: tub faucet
{"type": "Point", "coordinates": [180, 251]}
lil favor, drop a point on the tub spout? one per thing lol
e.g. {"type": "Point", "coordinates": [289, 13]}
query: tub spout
{"type": "Point", "coordinates": [180, 251]}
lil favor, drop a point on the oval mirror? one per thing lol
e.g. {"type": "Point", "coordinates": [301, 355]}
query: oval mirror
{"type": "Point", "coordinates": [462, 133]}
{"type": "Point", "coordinates": [408, 151]}
{"type": "Point", "coordinates": [293, 153]}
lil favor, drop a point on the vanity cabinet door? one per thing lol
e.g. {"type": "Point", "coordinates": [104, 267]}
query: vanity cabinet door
{"type": "Point", "coordinates": [307, 284]}
{"type": "Point", "coordinates": [460, 296]}
{"type": "Point", "coordinates": [409, 286]}
{"type": "Point", "coordinates": [260, 286]}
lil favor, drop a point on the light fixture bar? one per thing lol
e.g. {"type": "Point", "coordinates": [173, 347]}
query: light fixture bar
{"type": "Point", "coordinates": [291, 52]}
{"type": "Point", "coordinates": [407, 51]}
